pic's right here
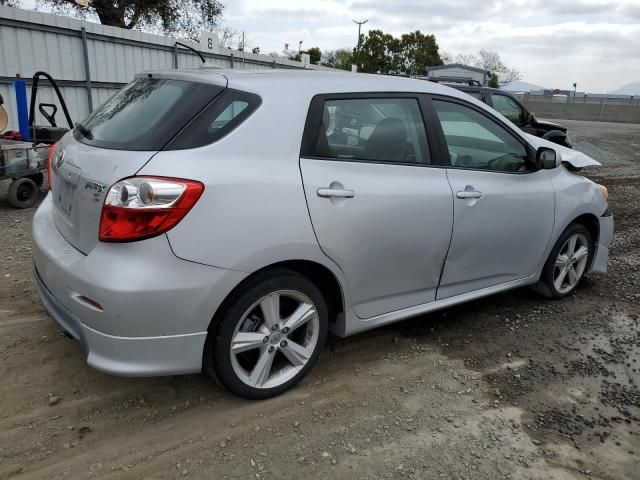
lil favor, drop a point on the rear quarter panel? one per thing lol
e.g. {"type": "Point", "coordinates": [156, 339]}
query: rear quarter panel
{"type": "Point", "coordinates": [253, 211]}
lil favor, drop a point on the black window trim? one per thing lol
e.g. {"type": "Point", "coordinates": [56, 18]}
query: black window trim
{"type": "Point", "coordinates": [444, 151]}
{"type": "Point", "coordinates": [314, 119]}
{"type": "Point", "coordinates": [219, 104]}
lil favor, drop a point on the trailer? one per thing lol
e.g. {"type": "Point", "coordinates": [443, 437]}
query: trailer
{"type": "Point", "coordinates": [25, 164]}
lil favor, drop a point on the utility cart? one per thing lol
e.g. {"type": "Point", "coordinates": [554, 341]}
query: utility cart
{"type": "Point", "coordinates": [25, 165]}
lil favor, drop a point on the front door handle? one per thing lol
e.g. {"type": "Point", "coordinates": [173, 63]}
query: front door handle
{"type": "Point", "coordinates": [336, 192]}
{"type": "Point", "coordinates": [469, 194]}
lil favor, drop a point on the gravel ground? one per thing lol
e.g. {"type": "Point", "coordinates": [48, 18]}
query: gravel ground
{"type": "Point", "coordinates": [509, 387]}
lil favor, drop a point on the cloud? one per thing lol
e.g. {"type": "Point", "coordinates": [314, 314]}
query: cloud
{"type": "Point", "coordinates": [554, 43]}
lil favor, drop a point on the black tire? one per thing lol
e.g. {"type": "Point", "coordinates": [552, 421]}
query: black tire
{"type": "Point", "coordinates": [218, 362]}
{"type": "Point", "coordinates": [23, 192]}
{"type": "Point", "coordinates": [38, 178]}
{"type": "Point", "coordinates": [545, 285]}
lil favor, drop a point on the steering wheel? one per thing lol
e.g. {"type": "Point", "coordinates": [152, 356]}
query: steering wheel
{"type": "Point", "coordinates": [408, 153]}
{"type": "Point", "coordinates": [500, 164]}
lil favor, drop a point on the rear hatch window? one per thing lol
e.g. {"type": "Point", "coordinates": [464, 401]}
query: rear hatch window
{"type": "Point", "coordinates": [146, 114]}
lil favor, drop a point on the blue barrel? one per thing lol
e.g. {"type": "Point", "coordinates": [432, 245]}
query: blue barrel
{"type": "Point", "coordinates": [23, 111]}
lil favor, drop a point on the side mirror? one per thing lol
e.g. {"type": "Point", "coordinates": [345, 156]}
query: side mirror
{"type": "Point", "coordinates": [546, 158]}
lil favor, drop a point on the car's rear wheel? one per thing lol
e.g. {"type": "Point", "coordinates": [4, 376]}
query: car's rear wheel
{"type": "Point", "coordinates": [270, 335]}
{"type": "Point", "coordinates": [567, 262]}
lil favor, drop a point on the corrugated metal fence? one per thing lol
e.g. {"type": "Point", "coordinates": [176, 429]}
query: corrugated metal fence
{"type": "Point", "coordinates": [90, 62]}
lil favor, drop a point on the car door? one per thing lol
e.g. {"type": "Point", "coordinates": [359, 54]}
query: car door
{"type": "Point", "coordinates": [380, 208]}
{"type": "Point", "coordinates": [503, 206]}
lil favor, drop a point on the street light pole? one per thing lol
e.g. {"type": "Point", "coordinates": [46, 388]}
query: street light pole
{"type": "Point", "coordinates": [358, 47]}
{"type": "Point", "coordinates": [575, 87]}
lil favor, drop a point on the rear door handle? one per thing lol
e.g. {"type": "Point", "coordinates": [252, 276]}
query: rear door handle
{"type": "Point", "coordinates": [336, 192]}
{"type": "Point", "coordinates": [469, 194]}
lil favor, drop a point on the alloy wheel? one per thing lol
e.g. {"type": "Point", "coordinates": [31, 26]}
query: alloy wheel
{"type": "Point", "coordinates": [571, 263]}
{"type": "Point", "coordinates": [275, 339]}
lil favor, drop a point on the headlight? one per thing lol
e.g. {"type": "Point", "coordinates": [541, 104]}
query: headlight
{"type": "Point", "coordinates": [604, 191]}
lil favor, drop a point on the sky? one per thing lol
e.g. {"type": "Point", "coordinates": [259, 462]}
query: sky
{"type": "Point", "coordinates": [595, 43]}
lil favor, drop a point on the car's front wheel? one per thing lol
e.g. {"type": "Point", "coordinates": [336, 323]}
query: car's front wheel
{"type": "Point", "coordinates": [567, 262]}
{"type": "Point", "coordinates": [269, 335]}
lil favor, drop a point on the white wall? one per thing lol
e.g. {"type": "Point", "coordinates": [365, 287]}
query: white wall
{"type": "Point", "coordinates": [32, 41]}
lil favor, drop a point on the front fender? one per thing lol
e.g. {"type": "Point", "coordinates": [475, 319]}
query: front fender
{"type": "Point", "coordinates": [576, 196]}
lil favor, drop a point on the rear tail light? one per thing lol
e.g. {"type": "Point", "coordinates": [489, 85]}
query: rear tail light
{"type": "Point", "coordinates": [50, 153]}
{"type": "Point", "coordinates": [143, 207]}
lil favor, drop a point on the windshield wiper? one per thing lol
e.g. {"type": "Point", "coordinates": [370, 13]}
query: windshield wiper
{"type": "Point", "coordinates": [86, 133]}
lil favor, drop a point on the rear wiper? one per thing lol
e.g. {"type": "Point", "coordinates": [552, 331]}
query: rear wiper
{"type": "Point", "coordinates": [86, 133]}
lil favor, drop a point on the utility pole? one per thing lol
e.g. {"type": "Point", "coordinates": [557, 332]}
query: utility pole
{"type": "Point", "coordinates": [358, 47]}
{"type": "Point", "coordinates": [243, 47]}
{"type": "Point", "coordinates": [575, 87]}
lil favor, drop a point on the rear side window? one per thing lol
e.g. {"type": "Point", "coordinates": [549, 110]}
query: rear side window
{"type": "Point", "coordinates": [387, 130]}
{"type": "Point", "coordinates": [234, 109]}
{"type": "Point", "coordinates": [146, 113]}
{"type": "Point", "coordinates": [220, 118]}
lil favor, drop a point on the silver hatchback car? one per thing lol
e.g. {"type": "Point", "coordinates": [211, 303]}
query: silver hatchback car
{"type": "Point", "coordinates": [227, 220]}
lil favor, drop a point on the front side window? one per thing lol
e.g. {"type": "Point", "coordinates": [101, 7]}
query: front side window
{"type": "Point", "coordinates": [475, 141]}
{"type": "Point", "coordinates": [374, 129]}
{"type": "Point", "coordinates": [508, 107]}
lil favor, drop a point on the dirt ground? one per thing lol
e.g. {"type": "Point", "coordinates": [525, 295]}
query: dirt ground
{"type": "Point", "coordinates": [510, 387]}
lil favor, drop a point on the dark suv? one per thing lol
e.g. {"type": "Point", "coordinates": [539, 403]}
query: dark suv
{"type": "Point", "coordinates": [509, 106]}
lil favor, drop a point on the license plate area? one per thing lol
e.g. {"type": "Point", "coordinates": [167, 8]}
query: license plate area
{"type": "Point", "coordinates": [67, 179]}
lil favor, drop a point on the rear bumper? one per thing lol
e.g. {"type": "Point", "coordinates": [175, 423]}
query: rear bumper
{"type": "Point", "coordinates": [148, 311]}
{"type": "Point", "coordinates": [126, 356]}
{"type": "Point", "coordinates": [601, 257]}
{"type": "Point", "coordinates": [66, 320]}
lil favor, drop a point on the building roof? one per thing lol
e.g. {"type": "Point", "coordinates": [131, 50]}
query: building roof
{"type": "Point", "coordinates": [457, 65]}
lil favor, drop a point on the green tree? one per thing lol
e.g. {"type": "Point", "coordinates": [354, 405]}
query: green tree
{"type": "Point", "coordinates": [411, 53]}
{"type": "Point", "coordinates": [417, 52]}
{"type": "Point", "coordinates": [378, 53]}
{"type": "Point", "coordinates": [314, 55]}
{"type": "Point", "coordinates": [340, 58]}
{"type": "Point", "coordinates": [184, 18]}
{"type": "Point", "coordinates": [493, 81]}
